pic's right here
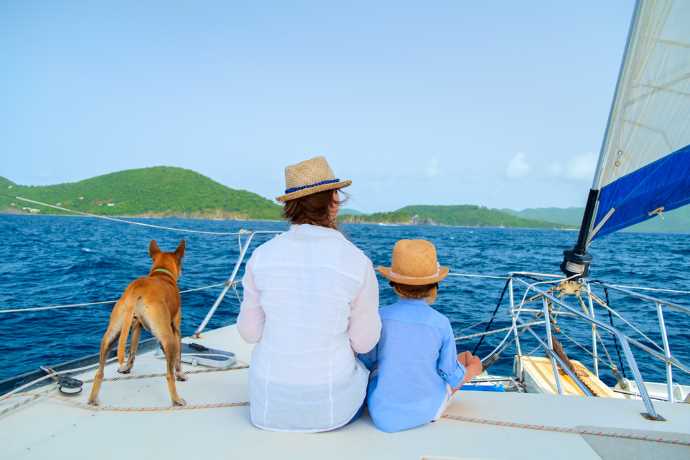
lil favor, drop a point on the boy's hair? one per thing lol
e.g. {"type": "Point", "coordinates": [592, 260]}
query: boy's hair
{"type": "Point", "coordinates": [314, 209]}
{"type": "Point", "coordinates": [414, 292]}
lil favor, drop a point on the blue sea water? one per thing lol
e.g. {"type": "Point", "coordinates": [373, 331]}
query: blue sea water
{"type": "Point", "coordinates": [46, 260]}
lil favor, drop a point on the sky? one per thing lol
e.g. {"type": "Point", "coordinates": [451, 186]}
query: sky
{"type": "Point", "coordinates": [500, 103]}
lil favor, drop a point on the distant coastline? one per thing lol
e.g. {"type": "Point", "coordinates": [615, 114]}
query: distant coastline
{"type": "Point", "coordinates": [171, 192]}
{"type": "Point", "coordinates": [193, 216]}
{"type": "Point", "coordinates": [632, 229]}
{"type": "Point", "coordinates": [233, 219]}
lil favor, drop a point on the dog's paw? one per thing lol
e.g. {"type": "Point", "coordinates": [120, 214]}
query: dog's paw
{"type": "Point", "coordinates": [124, 370]}
{"type": "Point", "coordinates": [179, 402]}
{"type": "Point", "coordinates": [93, 402]}
{"type": "Point", "coordinates": [181, 377]}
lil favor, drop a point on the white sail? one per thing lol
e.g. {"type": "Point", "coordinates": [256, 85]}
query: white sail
{"type": "Point", "coordinates": [644, 166]}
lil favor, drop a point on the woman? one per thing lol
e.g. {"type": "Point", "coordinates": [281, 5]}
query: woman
{"type": "Point", "coordinates": [310, 303]}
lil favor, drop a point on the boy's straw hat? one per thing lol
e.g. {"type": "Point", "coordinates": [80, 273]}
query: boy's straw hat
{"type": "Point", "coordinates": [308, 177]}
{"type": "Point", "coordinates": [414, 263]}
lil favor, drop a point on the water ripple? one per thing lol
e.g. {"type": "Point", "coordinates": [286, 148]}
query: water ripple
{"type": "Point", "coordinates": [53, 260]}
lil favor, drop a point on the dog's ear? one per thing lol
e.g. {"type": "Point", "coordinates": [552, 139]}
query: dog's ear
{"type": "Point", "coordinates": [179, 252]}
{"type": "Point", "coordinates": [154, 250]}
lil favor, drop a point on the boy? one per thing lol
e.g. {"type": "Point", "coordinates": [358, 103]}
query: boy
{"type": "Point", "coordinates": [414, 368]}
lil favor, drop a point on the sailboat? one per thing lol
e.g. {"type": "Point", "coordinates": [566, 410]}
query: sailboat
{"type": "Point", "coordinates": [551, 405]}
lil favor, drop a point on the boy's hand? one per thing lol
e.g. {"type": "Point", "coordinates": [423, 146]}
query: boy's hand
{"type": "Point", "coordinates": [473, 365]}
{"type": "Point", "coordinates": [464, 358]}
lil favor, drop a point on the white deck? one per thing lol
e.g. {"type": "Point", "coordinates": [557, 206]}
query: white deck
{"type": "Point", "coordinates": [50, 428]}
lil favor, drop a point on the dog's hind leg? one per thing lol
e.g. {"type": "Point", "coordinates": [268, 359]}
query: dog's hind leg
{"type": "Point", "coordinates": [136, 332]}
{"type": "Point", "coordinates": [108, 340]}
{"type": "Point", "coordinates": [178, 360]}
{"type": "Point", "coordinates": [171, 347]}
{"type": "Point", "coordinates": [127, 316]}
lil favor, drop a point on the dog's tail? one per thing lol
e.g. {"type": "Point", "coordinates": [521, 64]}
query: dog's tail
{"type": "Point", "coordinates": [124, 332]}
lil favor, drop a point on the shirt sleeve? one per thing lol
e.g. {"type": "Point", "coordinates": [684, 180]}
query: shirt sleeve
{"type": "Point", "coordinates": [365, 323]}
{"type": "Point", "coordinates": [250, 322]}
{"type": "Point", "coordinates": [448, 366]}
{"type": "Point", "coordinates": [369, 359]}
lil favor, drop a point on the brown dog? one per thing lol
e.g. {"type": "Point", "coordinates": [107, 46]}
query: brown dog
{"type": "Point", "coordinates": [153, 302]}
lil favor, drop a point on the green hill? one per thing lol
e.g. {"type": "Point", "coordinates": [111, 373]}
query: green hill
{"type": "Point", "coordinates": [5, 183]}
{"type": "Point", "coordinates": [564, 216]}
{"type": "Point", "coordinates": [457, 215]}
{"type": "Point", "coordinates": [170, 191]}
{"type": "Point", "coordinates": [349, 212]}
{"type": "Point", "coordinates": [157, 191]}
{"type": "Point", "coordinates": [676, 221]}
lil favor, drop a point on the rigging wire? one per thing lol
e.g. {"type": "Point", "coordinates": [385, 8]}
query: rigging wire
{"type": "Point", "coordinates": [104, 302]}
{"type": "Point", "coordinates": [628, 323]}
{"type": "Point", "coordinates": [493, 316]}
{"type": "Point", "coordinates": [478, 275]}
{"type": "Point", "coordinates": [615, 339]}
{"type": "Point", "coordinates": [641, 288]}
{"type": "Point", "coordinates": [143, 224]}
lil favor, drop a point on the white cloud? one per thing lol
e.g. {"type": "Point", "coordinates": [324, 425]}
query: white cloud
{"type": "Point", "coordinates": [581, 167]}
{"type": "Point", "coordinates": [432, 169]}
{"type": "Point", "coordinates": [518, 166]}
{"type": "Point", "coordinates": [578, 167]}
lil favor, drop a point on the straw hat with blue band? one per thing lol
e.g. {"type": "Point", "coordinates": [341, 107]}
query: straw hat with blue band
{"type": "Point", "coordinates": [309, 177]}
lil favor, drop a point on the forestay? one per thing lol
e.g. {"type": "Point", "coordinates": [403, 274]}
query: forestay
{"type": "Point", "coordinates": [644, 166]}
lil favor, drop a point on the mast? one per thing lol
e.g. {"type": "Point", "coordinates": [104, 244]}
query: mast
{"type": "Point", "coordinates": [576, 261]}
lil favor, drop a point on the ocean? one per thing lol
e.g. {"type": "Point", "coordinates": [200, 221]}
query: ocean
{"type": "Point", "coordinates": [50, 260]}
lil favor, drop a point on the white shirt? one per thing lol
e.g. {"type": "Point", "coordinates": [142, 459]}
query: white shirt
{"type": "Point", "coordinates": [310, 303]}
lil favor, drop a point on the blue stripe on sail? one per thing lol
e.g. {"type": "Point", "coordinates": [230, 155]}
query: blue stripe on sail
{"type": "Point", "coordinates": [662, 183]}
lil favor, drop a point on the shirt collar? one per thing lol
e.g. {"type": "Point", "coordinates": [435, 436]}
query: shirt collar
{"type": "Point", "coordinates": [412, 301]}
{"type": "Point", "coordinates": [309, 229]}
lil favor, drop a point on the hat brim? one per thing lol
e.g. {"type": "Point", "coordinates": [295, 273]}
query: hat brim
{"type": "Point", "coordinates": [413, 280]}
{"type": "Point", "coordinates": [312, 190]}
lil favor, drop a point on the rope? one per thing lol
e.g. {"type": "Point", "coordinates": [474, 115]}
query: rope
{"type": "Point", "coordinates": [34, 396]}
{"type": "Point", "coordinates": [240, 366]}
{"type": "Point", "coordinates": [459, 418]}
{"type": "Point", "coordinates": [131, 222]}
{"type": "Point", "coordinates": [92, 408]}
{"type": "Point", "coordinates": [19, 404]}
{"type": "Point", "coordinates": [104, 302]}
{"type": "Point", "coordinates": [48, 376]}
{"type": "Point", "coordinates": [558, 429]}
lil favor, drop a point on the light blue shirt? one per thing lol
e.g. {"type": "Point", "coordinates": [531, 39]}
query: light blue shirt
{"type": "Point", "coordinates": [410, 367]}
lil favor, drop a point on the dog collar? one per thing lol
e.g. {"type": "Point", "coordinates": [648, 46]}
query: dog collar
{"type": "Point", "coordinates": [163, 270]}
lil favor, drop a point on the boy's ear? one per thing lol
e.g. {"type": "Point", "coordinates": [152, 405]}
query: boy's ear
{"type": "Point", "coordinates": [154, 250]}
{"type": "Point", "coordinates": [179, 252]}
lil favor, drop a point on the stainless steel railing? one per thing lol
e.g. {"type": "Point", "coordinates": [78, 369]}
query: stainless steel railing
{"type": "Point", "coordinates": [663, 353]}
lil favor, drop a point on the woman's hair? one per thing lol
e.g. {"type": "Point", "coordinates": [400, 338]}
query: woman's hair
{"type": "Point", "coordinates": [415, 292]}
{"type": "Point", "coordinates": [312, 209]}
